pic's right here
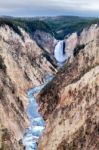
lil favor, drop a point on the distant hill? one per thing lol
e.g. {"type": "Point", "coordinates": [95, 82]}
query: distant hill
{"type": "Point", "coordinates": [59, 26]}
{"type": "Point", "coordinates": [64, 25]}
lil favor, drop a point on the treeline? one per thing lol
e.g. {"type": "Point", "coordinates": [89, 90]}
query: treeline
{"type": "Point", "coordinates": [64, 25]}
{"type": "Point", "coordinates": [59, 27]}
{"type": "Point", "coordinates": [28, 25]}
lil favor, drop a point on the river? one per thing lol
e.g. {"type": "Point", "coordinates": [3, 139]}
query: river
{"type": "Point", "coordinates": [37, 124]}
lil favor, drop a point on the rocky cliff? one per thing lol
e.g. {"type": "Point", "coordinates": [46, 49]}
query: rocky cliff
{"type": "Point", "coordinates": [45, 40]}
{"type": "Point", "coordinates": [23, 65]}
{"type": "Point", "coordinates": [70, 103]}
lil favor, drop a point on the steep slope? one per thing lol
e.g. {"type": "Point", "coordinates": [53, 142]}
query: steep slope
{"type": "Point", "coordinates": [70, 103]}
{"type": "Point", "coordinates": [45, 40]}
{"type": "Point", "coordinates": [24, 67]}
{"type": "Point", "coordinates": [13, 118]}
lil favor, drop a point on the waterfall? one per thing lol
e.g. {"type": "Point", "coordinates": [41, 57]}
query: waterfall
{"type": "Point", "coordinates": [37, 124]}
{"type": "Point", "coordinates": [59, 53]}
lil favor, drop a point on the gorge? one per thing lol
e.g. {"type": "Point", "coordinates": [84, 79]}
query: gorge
{"type": "Point", "coordinates": [37, 124]}
{"type": "Point", "coordinates": [49, 89]}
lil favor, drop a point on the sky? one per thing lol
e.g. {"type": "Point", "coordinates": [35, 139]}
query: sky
{"type": "Point", "coordinates": [26, 8]}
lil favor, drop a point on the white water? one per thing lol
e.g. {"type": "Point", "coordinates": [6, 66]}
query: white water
{"type": "Point", "coordinates": [37, 124]}
{"type": "Point", "coordinates": [58, 53]}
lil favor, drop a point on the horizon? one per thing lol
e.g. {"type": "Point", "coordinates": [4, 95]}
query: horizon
{"type": "Point", "coordinates": [50, 16]}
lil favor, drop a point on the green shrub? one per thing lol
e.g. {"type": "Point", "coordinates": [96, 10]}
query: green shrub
{"type": "Point", "coordinates": [78, 48]}
{"type": "Point", "coordinates": [49, 58]}
{"type": "Point", "coordinates": [20, 104]}
{"type": "Point", "coordinates": [2, 65]}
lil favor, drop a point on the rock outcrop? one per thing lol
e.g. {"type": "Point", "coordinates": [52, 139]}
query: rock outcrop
{"type": "Point", "coordinates": [45, 40]}
{"type": "Point", "coordinates": [70, 103]}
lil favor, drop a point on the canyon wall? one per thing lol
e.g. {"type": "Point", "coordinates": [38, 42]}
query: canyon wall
{"type": "Point", "coordinates": [22, 66]}
{"type": "Point", "coordinates": [70, 103]}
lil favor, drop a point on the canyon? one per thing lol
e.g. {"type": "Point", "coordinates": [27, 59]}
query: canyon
{"type": "Point", "coordinates": [23, 66]}
{"type": "Point", "coordinates": [69, 103]}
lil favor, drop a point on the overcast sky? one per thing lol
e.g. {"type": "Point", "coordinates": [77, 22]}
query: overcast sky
{"type": "Point", "coordinates": [49, 7]}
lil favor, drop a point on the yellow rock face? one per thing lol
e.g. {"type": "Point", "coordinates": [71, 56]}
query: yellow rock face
{"type": "Point", "coordinates": [25, 68]}
{"type": "Point", "coordinates": [70, 104]}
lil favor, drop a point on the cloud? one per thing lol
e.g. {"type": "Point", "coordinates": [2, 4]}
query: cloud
{"type": "Point", "coordinates": [47, 7]}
